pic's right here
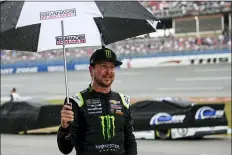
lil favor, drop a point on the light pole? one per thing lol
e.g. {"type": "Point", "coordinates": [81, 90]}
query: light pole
{"type": "Point", "coordinates": [198, 29]}
{"type": "Point", "coordinates": [197, 26]}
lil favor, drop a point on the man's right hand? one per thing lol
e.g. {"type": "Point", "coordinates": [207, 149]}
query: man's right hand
{"type": "Point", "coordinates": [67, 115]}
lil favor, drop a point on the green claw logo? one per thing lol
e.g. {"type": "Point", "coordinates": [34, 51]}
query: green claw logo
{"type": "Point", "coordinates": [108, 126]}
{"type": "Point", "coordinates": [108, 53]}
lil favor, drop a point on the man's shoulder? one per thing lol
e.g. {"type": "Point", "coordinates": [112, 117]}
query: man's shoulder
{"type": "Point", "coordinates": [78, 97]}
{"type": "Point", "coordinates": [126, 100]}
{"type": "Point", "coordinates": [116, 92]}
{"type": "Point", "coordinates": [82, 92]}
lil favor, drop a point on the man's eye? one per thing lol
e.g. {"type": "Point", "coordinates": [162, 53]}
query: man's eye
{"type": "Point", "coordinates": [103, 65]}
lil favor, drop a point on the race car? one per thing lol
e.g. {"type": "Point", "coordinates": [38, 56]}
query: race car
{"type": "Point", "coordinates": [176, 118]}
{"type": "Point", "coordinates": [25, 117]}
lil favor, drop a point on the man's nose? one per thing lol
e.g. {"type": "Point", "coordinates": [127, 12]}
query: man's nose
{"type": "Point", "coordinates": [107, 70]}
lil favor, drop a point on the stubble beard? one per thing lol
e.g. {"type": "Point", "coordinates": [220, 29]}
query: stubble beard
{"type": "Point", "coordinates": [102, 84]}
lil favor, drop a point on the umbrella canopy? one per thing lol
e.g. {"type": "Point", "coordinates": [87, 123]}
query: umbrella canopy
{"type": "Point", "coordinates": [35, 26]}
{"type": "Point", "coordinates": [42, 26]}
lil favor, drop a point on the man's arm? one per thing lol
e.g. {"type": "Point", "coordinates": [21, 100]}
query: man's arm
{"type": "Point", "coordinates": [64, 140]}
{"type": "Point", "coordinates": [130, 144]}
{"type": "Point", "coordinates": [67, 137]}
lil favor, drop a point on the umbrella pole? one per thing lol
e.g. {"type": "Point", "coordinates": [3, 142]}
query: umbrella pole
{"type": "Point", "coordinates": [102, 41]}
{"type": "Point", "coordinates": [65, 63]}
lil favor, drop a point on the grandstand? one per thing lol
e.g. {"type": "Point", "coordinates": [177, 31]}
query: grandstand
{"type": "Point", "coordinates": [196, 26]}
{"type": "Point", "coordinates": [166, 9]}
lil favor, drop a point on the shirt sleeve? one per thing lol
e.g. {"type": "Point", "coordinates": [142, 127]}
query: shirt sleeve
{"type": "Point", "coordinates": [69, 137]}
{"type": "Point", "coordinates": [129, 142]}
{"type": "Point", "coordinates": [63, 140]}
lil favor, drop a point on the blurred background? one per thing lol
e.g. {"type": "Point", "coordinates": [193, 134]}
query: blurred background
{"type": "Point", "coordinates": [186, 26]}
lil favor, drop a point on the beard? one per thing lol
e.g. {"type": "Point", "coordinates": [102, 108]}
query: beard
{"type": "Point", "coordinates": [101, 83]}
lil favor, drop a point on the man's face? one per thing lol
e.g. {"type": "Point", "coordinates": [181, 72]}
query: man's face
{"type": "Point", "coordinates": [103, 73]}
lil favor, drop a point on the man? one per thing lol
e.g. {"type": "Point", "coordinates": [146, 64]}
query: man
{"type": "Point", "coordinates": [101, 121]}
{"type": "Point", "coordinates": [14, 96]}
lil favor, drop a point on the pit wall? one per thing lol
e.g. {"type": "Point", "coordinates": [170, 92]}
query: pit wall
{"type": "Point", "coordinates": [158, 60]}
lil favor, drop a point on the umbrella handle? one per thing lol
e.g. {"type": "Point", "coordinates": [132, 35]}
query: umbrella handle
{"type": "Point", "coordinates": [65, 64]}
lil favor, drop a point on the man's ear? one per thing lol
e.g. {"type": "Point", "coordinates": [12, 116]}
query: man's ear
{"type": "Point", "coordinates": [91, 70]}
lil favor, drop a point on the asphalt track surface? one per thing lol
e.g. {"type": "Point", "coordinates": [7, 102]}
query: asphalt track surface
{"type": "Point", "coordinates": [191, 81]}
{"type": "Point", "coordinates": [46, 145]}
{"type": "Point", "coordinates": [185, 81]}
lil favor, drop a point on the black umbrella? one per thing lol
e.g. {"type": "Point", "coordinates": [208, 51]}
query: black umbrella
{"type": "Point", "coordinates": [41, 26]}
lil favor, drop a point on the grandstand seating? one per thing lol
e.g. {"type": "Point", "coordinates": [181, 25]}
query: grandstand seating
{"type": "Point", "coordinates": [132, 47]}
{"type": "Point", "coordinates": [164, 9]}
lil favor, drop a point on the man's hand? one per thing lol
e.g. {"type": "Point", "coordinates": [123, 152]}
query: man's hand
{"type": "Point", "coordinates": [67, 115]}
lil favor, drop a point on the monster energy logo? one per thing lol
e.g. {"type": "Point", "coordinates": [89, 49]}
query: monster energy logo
{"type": "Point", "coordinates": [108, 126]}
{"type": "Point", "coordinates": [108, 53]}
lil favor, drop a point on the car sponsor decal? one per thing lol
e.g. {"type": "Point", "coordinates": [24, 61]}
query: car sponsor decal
{"type": "Point", "coordinates": [208, 113]}
{"type": "Point", "coordinates": [182, 131]}
{"type": "Point", "coordinates": [165, 118]}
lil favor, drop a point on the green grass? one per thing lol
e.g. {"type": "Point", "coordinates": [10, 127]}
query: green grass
{"type": "Point", "coordinates": [56, 101]}
{"type": "Point", "coordinates": [228, 112]}
{"type": "Point", "coordinates": [227, 108]}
